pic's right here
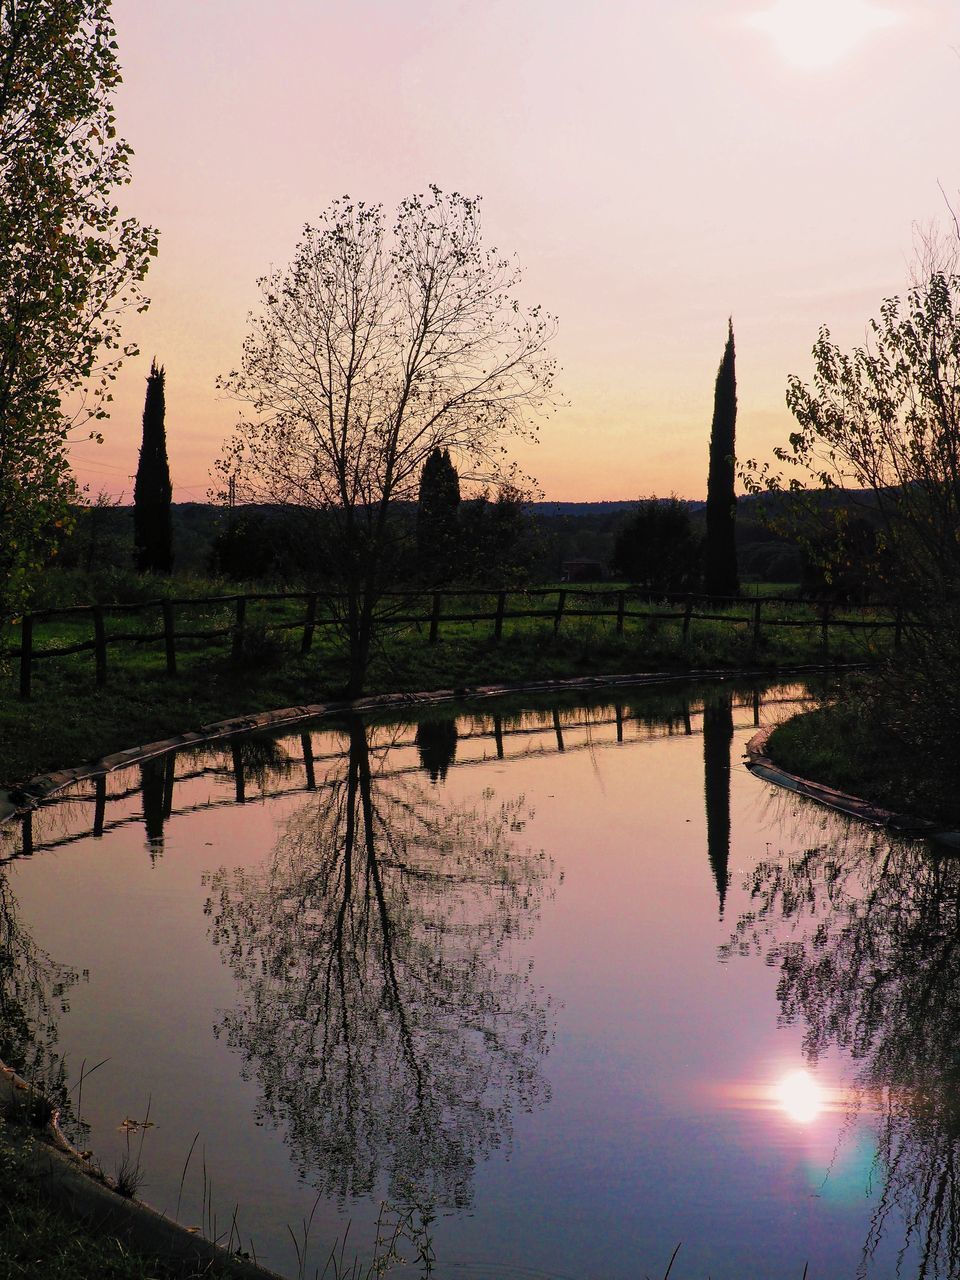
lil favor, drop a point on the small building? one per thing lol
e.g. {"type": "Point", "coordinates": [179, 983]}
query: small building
{"type": "Point", "coordinates": [581, 570]}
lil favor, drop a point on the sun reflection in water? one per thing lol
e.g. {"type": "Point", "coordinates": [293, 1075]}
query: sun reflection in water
{"type": "Point", "coordinates": [800, 1097]}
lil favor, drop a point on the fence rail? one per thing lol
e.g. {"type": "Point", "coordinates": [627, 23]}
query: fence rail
{"type": "Point", "coordinates": [425, 611]}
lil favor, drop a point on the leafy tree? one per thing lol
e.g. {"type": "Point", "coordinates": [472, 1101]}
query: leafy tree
{"type": "Point", "coordinates": [437, 511]}
{"type": "Point", "coordinates": [882, 426]}
{"type": "Point", "coordinates": [376, 346]}
{"type": "Point", "coordinates": [500, 540]}
{"type": "Point", "coordinates": [69, 265]}
{"type": "Point", "coordinates": [657, 548]}
{"type": "Point", "coordinates": [152, 491]}
{"type": "Point", "coordinates": [720, 574]}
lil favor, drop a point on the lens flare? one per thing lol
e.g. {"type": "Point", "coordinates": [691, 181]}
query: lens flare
{"type": "Point", "coordinates": [800, 1097]}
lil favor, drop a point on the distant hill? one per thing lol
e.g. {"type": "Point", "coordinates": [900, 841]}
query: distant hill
{"type": "Point", "coordinates": [591, 509]}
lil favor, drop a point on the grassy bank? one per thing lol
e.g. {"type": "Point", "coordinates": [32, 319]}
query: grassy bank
{"type": "Point", "coordinates": [849, 744]}
{"type": "Point", "coordinates": [69, 720]}
{"type": "Point", "coordinates": [39, 1242]}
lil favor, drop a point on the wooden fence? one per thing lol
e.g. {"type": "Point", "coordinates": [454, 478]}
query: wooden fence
{"type": "Point", "coordinates": [427, 613]}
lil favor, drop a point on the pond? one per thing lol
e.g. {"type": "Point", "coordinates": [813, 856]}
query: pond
{"type": "Point", "coordinates": [549, 989]}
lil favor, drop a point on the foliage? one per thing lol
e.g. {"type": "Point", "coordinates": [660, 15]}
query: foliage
{"type": "Point", "coordinates": [69, 265]}
{"type": "Point", "coordinates": [270, 544]}
{"type": "Point", "coordinates": [438, 507]}
{"type": "Point", "coordinates": [500, 540]}
{"type": "Point", "coordinates": [866, 742]}
{"type": "Point", "coordinates": [885, 420]}
{"type": "Point", "coordinates": [152, 493]}
{"type": "Point", "coordinates": [883, 424]}
{"type": "Point", "coordinates": [843, 559]}
{"type": "Point", "coordinates": [375, 347]}
{"type": "Point", "coordinates": [720, 549]}
{"type": "Point", "coordinates": [657, 548]}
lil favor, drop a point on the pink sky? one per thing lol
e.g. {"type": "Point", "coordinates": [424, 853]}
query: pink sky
{"type": "Point", "coordinates": [656, 167]}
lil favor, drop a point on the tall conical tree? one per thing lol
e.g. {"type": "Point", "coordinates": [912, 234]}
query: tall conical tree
{"type": "Point", "coordinates": [720, 576]}
{"type": "Point", "coordinates": [437, 516]}
{"type": "Point", "coordinates": [152, 492]}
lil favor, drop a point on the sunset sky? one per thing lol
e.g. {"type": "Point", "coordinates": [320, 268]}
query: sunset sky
{"type": "Point", "coordinates": [656, 167]}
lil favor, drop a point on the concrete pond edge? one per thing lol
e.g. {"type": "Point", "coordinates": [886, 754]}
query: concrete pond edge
{"type": "Point", "coordinates": [65, 1173]}
{"type": "Point", "coordinates": [92, 1200]}
{"type": "Point", "coordinates": [900, 824]}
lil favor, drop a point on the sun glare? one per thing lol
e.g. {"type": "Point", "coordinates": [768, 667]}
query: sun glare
{"type": "Point", "coordinates": [800, 1097]}
{"type": "Point", "coordinates": [818, 33]}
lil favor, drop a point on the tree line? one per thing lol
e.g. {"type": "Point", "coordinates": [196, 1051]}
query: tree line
{"type": "Point", "coordinates": [392, 362]}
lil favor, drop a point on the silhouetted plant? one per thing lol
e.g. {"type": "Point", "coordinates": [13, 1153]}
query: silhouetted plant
{"type": "Point", "coordinates": [657, 548]}
{"type": "Point", "coordinates": [152, 492]}
{"type": "Point", "coordinates": [384, 340]}
{"type": "Point", "coordinates": [720, 576]}
{"type": "Point", "coordinates": [438, 507]}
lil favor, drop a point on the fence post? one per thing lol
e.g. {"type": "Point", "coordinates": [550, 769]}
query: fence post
{"type": "Point", "coordinates": [100, 645]}
{"type": "Point", "coordinates": [169, 638]}
{"type": "Point", "coordinates": [687, 613]}
{"type": "Point", "coordinates": [898, 630]}
{"type": "Point", "coordinates": [824, 628]}
{"type": "Point", "coordinates": [100, 804]}
{"type": "Point", "coordinates": [308, 625]}
{"type": "Point", "coordinates": [306, 743]}
{"type": "Point", "coordinates": [239, 776]}
{"type": "Point", "coordinates": [755, 640]}
{"type": "Point", "coordinates": [435, 618]}
{"type": "Point", "coordinates": [26, 654]}
{"type": "Point", "coordinates": [498, 621]}
{"type": "Point", "coordinates": [561, 601]}
{"type": "Point", "coordinates": [238, 628]}
{"type": "Point", "coordinates": [621, 606]}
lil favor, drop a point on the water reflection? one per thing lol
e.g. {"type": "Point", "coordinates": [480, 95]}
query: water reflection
{"type": "Point", "coordinates": [717, 741]}
{"type": "Point", "coordinates": [866, 937]}
{"type": "Point", "coordinates": [437, 743]}
{"type": "Point", "coordinates": [386, 1011]}
{"type": "Point", "coordinates": [34, 992]}
{"type": "Point", "coordinates": [156, 786]}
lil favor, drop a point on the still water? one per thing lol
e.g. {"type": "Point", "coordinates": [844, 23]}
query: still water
{"type": "Point", "coordinates": [555, 988]}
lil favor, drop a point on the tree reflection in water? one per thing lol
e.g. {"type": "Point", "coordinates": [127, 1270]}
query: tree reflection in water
{"type": "Point", "coordinates": [34, 992]}
{"type": "Point", "coordinates": [866, 937]}
{"type": "Point", "coordinates": [388, 1012]}
{"type": "Point", "coordinates": [717, 740]}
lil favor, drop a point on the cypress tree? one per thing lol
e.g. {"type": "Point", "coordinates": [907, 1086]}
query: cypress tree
{"type": "Point", "coordinates": [152, 492]}
{"type": "Point", "coordinates": [437, 516]}
{"type": "Point", "coordinates": [720, 577]}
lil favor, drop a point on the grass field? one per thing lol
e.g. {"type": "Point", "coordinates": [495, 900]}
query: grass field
{"type": "Point", "coordinates": [68, 719]}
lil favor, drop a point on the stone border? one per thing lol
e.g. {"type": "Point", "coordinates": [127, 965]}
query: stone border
{"type": "Point", "coordinates": [18, 800]}
{"type": "Point", "coordinates": [905, 825]}
{"type": "Point", "coordinates": [94, 1202]}
{"type": "Point", "coordinates": [65, 1174]}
